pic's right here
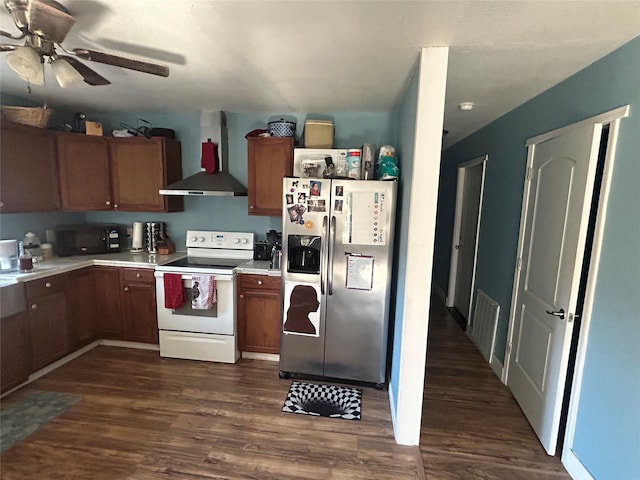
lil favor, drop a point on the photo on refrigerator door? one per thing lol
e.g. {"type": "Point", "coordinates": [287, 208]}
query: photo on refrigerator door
{"type": "Point", "coordinates": [302, 309]}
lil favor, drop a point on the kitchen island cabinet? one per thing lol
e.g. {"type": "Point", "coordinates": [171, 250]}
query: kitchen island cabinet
{"type": "Point", "coordinates": [81, 301]}
{"type": "Point", "coordinates": [48, 324]}
{"type": "Point", "coordinates": [29, 180]}
{"type": "Point", "coordinates": [124, 174]}
{"type": "Point", "coordinates": [269, 160]}
{"type": "Point", "coordinates": [259, 313]}
{"type": "Point", "coordinates": [15, 351]}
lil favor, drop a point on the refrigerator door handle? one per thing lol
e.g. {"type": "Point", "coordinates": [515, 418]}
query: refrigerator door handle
{"type": "Point", "coordinates": [332, 244]}
{"type": "Point", "coordinates": [323, 255]}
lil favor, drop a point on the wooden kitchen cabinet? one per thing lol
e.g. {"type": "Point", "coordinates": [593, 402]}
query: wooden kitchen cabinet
{"type": "Point", "coordinates": [269, 160]}
{"type": "Point", "coordinates": [108, 304]}
{"type": "Point", "coordinates": [84, 172]}
{"type": "Point", "coordinates": [81, 302]}
{"type": "Point", "coordinates": [48, 326]}
{"type": "Point", "coordinates": [15, 351]}
{"type": "Point", "coordinates": [125, 174]}
{"type": "Point", "coordinates": [138, 299]}
{"type": "Point", "coordinates": [259, 313]}
{"type": "Point", "coordinates": [29, 180]}
{"type": "Point", "coordinates": [142, 166]}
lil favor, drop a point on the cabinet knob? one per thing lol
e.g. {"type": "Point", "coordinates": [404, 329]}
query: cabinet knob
{"type": "Point", "coordinates": [115, 205]}
{"type": "Point", "coordinates": [241, 295]}
{"type": "Point", "coordinates": [138, 275]}
{"type": "Point", "coordinates": [47, 285]}
{"type": "Point", "coordinates": [34, 306]}
{"type": "Point", "coordinates": [251, 206]}
{"type": "Point", "coordinates": [259, 282]}
{"type": "Point", "coordinates": [107, 203]}
{"type": "Point", "coordinates": [126, 289]}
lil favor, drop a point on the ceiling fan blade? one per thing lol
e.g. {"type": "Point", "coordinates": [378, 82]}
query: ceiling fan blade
{"type": "Point", "coordinates": [90, 76]}
{"type": "Point", "coordinates": [117, 61]}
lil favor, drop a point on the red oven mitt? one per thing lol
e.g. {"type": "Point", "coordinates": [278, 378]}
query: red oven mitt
{"type": "Point", "coordinates": [209, 160]}
{"type": "Point", "coordinates": [174, 294]}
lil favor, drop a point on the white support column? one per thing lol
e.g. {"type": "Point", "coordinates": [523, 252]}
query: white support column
{"type": "Point", "coordinates": [421, 234]}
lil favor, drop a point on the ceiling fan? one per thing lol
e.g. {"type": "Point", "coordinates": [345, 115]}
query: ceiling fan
{"type": "Point", "coordinates": [44, 24]}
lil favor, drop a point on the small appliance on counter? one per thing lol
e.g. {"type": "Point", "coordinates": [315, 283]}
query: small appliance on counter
{"type": "Point", "coordinates": [261, 251]}
{"type": "Point", "coordinates": [274, 239]}
{"type": "Point", "coordinates": [31, 244]}
{"type": "Point", "coordinates": [88, 239]}
{"type": "Point", "coordinates": [8, 256]}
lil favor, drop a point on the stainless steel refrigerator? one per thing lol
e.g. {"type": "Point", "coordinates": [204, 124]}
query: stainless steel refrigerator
{"type": "Point", "coordinates": [337, 249]}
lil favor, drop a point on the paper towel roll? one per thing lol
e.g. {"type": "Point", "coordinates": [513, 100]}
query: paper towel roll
{"type": "Point", "coordinates": [136, 237]}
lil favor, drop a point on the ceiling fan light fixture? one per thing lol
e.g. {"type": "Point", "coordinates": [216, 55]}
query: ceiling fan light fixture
{"type": "Point", "coordinates": [65, 74]}
{"type": "Point", "coordinates": [26, 62]}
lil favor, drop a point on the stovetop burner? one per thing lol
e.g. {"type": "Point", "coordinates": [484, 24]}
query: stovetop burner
{"type": "Point", "coordinates": [206, 262]}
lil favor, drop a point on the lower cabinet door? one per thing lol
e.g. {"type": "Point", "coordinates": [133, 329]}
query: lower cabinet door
{"type": "Point", "coordinates": [81, 302]}
{"type": "Point", "coordinates": [139, 315]}
{"type": "Point", "coordinates": [15, 351]}
{"type": "Point", "coordinates": [108, 307]}
{"type": "Point", "coordinates": [48, 326]}
{"type": "Point", "coordinates": [259, 321]}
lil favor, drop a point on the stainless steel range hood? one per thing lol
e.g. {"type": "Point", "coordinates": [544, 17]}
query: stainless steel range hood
{"type": "Point", "coordinates": [212, 125]}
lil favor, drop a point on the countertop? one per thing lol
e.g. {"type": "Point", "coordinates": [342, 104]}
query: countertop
{"type": "Point", "coordinates": [59, 265]}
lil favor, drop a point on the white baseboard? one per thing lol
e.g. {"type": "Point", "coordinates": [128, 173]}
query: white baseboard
{"type": "Point", "coordinates": [271, 357]}
{"type": "Point", "coordinates": [574, 467]}
{"type": "Point", "coordinates": [496, 366]}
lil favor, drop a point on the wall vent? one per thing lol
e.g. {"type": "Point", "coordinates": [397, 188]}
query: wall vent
{"type": "Point", "coordinates": [485, 320]}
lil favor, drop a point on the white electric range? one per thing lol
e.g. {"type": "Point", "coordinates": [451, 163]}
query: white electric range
{"type": "Point", "coordinates": [209, 334]}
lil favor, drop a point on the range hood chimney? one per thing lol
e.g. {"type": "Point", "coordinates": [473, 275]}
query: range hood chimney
{"type": "Point", "coordinates": [213, 125]}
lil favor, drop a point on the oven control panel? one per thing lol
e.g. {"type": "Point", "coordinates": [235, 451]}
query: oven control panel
{"type": "Point", "coordinates": [223, 240]}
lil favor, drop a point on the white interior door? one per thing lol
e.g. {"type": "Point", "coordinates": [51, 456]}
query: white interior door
{"type": "Point", "coordinates": [472, 189]}
{"type": "Point", "coordinates": [554, 223]}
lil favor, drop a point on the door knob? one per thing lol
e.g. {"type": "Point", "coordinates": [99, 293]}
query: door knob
{"type": "Point", "coordinates": [557, 313]}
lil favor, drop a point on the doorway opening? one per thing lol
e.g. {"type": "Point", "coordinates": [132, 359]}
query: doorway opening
{"type": "Point", "coordinates": [464, 249]}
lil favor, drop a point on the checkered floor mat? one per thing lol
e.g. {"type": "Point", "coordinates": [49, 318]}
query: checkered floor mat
{"type": "Point", "coordinates": [323, 400]}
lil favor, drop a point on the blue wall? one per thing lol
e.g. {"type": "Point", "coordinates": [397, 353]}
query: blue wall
{"type": "Point", "coordinates": [405, 118]}
{"type": "Point", "coordinates": [220, 213]}
{"type": "Point", "coordinates": [607, 436]}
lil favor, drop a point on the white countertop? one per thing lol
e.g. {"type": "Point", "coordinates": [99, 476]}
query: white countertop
{"type": "Point", "coordinates": [59, 265]}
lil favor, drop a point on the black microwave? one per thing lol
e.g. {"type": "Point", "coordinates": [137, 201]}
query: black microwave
{"type": "Point", "coordinates": [87, 239]}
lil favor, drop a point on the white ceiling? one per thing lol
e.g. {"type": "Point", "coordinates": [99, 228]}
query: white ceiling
{"type": "Point", "coordinates": [327, 57]}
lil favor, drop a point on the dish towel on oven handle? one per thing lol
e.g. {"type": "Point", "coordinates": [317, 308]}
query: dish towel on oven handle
{"type": "Point", "coordinates": [174, 294]}
{"type": "Point", "coordinates": [204, 292]}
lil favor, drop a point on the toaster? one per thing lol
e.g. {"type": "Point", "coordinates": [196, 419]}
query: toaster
{"type": "Point", "coordinates": [261, 251]}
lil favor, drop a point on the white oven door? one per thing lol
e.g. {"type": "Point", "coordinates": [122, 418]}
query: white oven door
{"type": "Point", "coordinates": [220, 319]}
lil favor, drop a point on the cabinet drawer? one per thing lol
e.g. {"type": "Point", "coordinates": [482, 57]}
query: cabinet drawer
{"type": "Point", "coordinates": [45, 286]}
{"type": "Point", "coordinates": [263, 282]}
{"type": "Point", "coordinates": [140, 275]}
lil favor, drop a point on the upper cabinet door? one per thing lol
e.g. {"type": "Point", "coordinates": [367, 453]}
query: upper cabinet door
{"type": "Point", "coordinates": [140, 167]}
{"type": "Point", "coordinates": [269, 160]}
{"type": "Point", "coordinates": [84, 172]}
{"type": "Point", "coordinates": [29, 180]}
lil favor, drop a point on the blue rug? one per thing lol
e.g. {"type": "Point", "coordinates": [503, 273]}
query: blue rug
{"type": "Point", "coordinates": [22, 418]}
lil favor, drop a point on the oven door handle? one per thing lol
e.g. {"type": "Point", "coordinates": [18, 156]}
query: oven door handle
{"type": "Point", "coordinates": [218, 278]}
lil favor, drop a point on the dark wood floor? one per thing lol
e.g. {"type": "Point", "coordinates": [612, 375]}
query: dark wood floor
{"type": "Point", "coordinates": [472, 428]}
{"type": "Point", "coordinates": [142, 417]}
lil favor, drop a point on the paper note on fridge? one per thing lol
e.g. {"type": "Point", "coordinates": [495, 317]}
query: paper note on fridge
{"type": "Point", "coordinates": [302, 309]}
{"type": "Point", "coordinates": [359, 272]}
{"type": "Point", "coordinates": [365, 216]}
